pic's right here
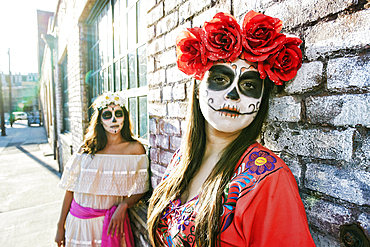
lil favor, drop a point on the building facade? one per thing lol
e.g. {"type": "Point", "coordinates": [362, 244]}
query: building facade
{"type": "Point", "coordinates": [24, 92]}
{"type": "Point", "coordinates": [318, 122]}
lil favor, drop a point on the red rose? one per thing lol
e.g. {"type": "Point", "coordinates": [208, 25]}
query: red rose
{"type": "Point", "coordinates": [191, 53]}
{"type": "Point", "coordinates": [261, 36]}
{"type": "Point", "coordinates": [283, 65]}
{"type": "Point", "coordinates": [222, 37]}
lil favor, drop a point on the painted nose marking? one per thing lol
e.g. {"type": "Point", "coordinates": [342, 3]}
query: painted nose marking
{"type": "Point", "coordinates": [233, 95]}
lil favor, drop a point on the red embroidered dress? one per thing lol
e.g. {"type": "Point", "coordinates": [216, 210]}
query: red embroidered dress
{"type": "Point", "coordinates": [261, 207]}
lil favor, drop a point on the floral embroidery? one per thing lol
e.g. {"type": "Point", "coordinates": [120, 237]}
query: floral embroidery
{"type": "Point", "coordinates": [260, 162]}
{"type": "Point", "coordinates": [243, 181]}
{"type": "Point", "coordinates": [184, 220]}
{"type": "Point", "coordinates": [169, 240]}
{"type": "Point", "coordinates": [235, 187]}
{"type": "Point", "coordinates": [176, 225]}
{"type": "Point", "coordinates": [168, 210]}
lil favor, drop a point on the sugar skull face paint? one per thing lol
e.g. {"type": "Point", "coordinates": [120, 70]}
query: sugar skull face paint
{"type": "Point", "coordinates": [112, 118]}
{"type": "Point", "coordinates": [230, 95]}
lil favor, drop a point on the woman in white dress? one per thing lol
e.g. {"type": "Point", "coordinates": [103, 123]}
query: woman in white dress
{"type": "Point", "coordinates": [102, 180]}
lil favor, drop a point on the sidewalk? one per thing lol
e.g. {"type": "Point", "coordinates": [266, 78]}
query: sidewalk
{"type": "Point", "coordinates": [30, 201]}
{"type": "Point", "coordinates": [21, 133]}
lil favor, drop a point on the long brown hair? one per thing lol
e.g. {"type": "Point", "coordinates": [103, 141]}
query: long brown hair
{"type": "Point", "coordinates": [207, 222]}
{"type": "Point", "coordinates": [95, 137]}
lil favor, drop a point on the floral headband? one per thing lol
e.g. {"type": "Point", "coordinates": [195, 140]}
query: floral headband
{"type": "Point", "coordinates": [108, 98]}
{"type": "Point", "coordinates": [259, 40]}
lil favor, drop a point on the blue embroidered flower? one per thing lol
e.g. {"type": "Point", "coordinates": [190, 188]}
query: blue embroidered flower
{"type": "Point", "coordinates": [260, 162]}
{"type": "Point", "coordinates": [183, 221]}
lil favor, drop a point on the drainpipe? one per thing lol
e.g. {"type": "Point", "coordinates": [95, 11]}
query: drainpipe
{"type": "Point", "coordinates": [49, 40]}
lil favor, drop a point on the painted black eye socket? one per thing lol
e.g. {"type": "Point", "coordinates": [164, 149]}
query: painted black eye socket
{"type": "Point", "coordinates": [247, 85]}
{"type": "Point", "coordinates": [118, 113]}
{"type": "Point", "coordinates": [250, 84]}
{"type": "Point", "coordinates": [221, 79]}
{"type": "Point", "coordinates": [106, 115]}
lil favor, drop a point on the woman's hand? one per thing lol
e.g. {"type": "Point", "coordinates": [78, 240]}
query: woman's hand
{"type": "Point", "coordinates": [59, 237]}
{"type": "Point", "coordinates": [116, 224]}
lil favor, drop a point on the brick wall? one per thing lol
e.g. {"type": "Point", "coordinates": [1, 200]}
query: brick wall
{"type": "Point", "coordinates": [318, 123]}
{"type": "Point", "coordinates": [72, 45]}
{"type": "Point", "coordinates": [45, 94]}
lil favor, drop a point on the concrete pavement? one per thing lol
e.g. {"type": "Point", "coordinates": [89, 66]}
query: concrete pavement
{"type": "Point", "coordinates": [30, 201]}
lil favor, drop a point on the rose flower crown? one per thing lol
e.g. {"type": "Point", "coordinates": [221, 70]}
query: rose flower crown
{"type": "Point", "coordinates": [108, 98]}
{"type": "Point", "coordinates": [221, 39]}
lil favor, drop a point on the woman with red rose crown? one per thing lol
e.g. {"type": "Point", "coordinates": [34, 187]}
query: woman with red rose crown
{"type": "Point", "coordinates": [222, 188]}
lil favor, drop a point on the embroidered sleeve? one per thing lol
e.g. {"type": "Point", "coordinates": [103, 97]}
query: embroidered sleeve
{"type": "Point", "coordinates": [262, 206]}
{"type": "Point", "coordinates": [273, 213]}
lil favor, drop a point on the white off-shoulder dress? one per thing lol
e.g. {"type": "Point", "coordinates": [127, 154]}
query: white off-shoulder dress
{"type": "Point", "coordinates": [100, 182]}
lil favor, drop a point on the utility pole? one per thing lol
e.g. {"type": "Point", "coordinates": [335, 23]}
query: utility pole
{"type": "Point", "coordinates": [10, 92]}
{"type": "Point", "coordinates": [2, 107]}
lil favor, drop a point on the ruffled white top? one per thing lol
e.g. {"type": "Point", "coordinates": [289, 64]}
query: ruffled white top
{"type": "Point", "coordinates": [99, 182]}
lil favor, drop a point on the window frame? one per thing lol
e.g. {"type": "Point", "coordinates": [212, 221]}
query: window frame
{"type": "Point", "coordinates": [110, 75]}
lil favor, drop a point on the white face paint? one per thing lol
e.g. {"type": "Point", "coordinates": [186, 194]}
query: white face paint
{"type": "Point", "coordinates": [230, 95]}
{"type": "Point", "coordinates": [112, 118]}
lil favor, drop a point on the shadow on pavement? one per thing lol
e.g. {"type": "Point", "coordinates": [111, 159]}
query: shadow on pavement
{"type": "Point", "coordinates": [54, 171]}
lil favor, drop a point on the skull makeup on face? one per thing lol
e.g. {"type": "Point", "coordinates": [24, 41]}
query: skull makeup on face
{"type": "Point", "coordinates": [112, 118]}
{"type": "Point", "coordinates": [230, 95]}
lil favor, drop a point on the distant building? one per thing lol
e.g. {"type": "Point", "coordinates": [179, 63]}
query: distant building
{"type": "Point", "coordinates": [42, 27]}
{"type": "Point", "coordinates": [24, 92]}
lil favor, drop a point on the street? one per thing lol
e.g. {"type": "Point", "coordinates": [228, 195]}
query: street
{"type": "Point", "coordinates": [30, 201]}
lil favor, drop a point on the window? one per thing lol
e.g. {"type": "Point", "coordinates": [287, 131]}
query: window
{"type": "Point", "coordinates": [117, 56]}
{"type": "Point", "coordinates": [65, 100]}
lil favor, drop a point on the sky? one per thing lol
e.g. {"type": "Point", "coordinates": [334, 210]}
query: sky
{"type": "Point", "coordinates": [18, 31]}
